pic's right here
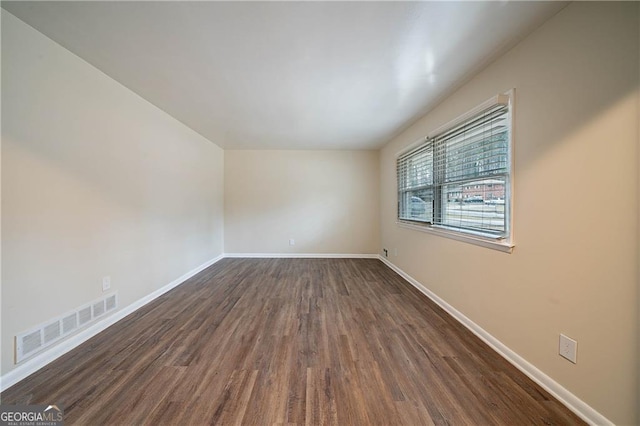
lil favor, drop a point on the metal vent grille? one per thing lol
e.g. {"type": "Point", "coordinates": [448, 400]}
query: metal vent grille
{"type": "Point", "coordinates": [51, 332]}
{"type": "Point", "coordinates": [84, 315]}
{"type": "Point", "coordinates": [46, 334]}
{"type": "Point", "coordinates": [111, 302]}
{"type": "Point", "coordinates": [69, 323]}
{"type": "Point", "coordinates": [98, 309]}
{"type": "Point", "coordinates": [32, 341]}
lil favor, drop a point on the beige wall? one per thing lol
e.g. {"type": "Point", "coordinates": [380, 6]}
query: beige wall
{"type": "Point", "coordinates": [95, 181]}
{"type": "Point", "coordinates": [328, 201]}
{"type": "Point", "coordinates": [575, 265]}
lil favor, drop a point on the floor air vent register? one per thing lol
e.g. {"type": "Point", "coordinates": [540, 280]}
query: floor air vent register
{"type": "Point", "coordinates": [30, 342]}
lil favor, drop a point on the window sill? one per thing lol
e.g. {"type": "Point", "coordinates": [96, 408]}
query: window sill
{"type": "Point", "coordinates": [503, 246]}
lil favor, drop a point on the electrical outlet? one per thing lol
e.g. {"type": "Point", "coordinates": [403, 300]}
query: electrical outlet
{"type": "Point", "coordinates": [568, 348]}
{"type": "Point", "coordinates": [395, 252]}
{"type": "Point", "coordinates": [292, 242]}
{"type": "Point", "coordinates": [106, 283]}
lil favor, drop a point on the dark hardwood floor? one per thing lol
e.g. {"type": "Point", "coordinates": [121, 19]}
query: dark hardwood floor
{"type": "Point", "coordinates": [290, 341]}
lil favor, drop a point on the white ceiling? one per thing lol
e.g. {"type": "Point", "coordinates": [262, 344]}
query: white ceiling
{"type": "Point", "coordinates": [289, 75]}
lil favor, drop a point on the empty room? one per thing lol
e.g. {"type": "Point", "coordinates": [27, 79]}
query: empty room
{"type": "Point", "coordinates": [345, 213]}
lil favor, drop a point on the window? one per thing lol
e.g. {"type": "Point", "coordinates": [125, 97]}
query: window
{"type": "Point", "coordinates": [458, 178]}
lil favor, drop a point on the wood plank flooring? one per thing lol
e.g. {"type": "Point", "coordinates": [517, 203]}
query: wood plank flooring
{"type": "Point", "coordinates": [290, 341]}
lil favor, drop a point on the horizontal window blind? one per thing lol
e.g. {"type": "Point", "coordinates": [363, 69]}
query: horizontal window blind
{"type": "Point", "coordinates": [459, 179]}
{"type": "Point", "coordinates": [415, 184]}
{"type": "Point", "coordinates": [471, 166]}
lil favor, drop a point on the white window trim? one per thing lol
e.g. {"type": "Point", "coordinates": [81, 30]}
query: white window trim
{"type": "Point", "coordinates": [495, 244]}
{"type": "Point", "coordinates": [504, 245]}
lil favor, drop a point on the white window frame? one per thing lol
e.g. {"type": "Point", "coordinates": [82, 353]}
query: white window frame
{"type": "Point", "coordinates": [505, 244]}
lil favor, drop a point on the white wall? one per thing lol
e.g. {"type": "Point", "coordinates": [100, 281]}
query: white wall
{"type": "Point", "coordinates": [327, 201]}
{"type": "Point", "coordinates": [575, 265]}
{"type": "Point", "coordinates": [95, 181]}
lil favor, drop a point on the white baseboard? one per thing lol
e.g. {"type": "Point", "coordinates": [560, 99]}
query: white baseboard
{"type": "Point", "coordinates": [302, 255]}
{"type": "Point", "coordinates": [572, 402]}
{"type": "Point", "coordinates": [40, 360]}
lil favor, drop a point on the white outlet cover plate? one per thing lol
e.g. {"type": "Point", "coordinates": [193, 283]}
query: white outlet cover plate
{"type": "Point", "coordinates": [106, 283]}
{"type": "Point", "coordinates": [568, 348]}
